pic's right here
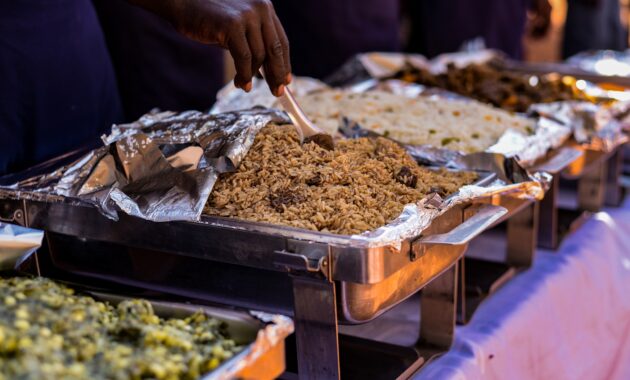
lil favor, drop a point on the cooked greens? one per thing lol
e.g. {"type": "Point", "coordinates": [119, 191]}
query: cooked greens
{"type": "Point", "coordinates": [48, 332]}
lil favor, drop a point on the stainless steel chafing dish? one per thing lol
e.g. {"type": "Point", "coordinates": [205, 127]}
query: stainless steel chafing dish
{"type": "Point", "coordinates": [321, 279]}
{"type": "Point", "coordinates": [262, 334]}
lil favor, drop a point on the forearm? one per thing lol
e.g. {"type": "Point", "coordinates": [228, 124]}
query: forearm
{"type": "Point", "coordinates": [249, 29]}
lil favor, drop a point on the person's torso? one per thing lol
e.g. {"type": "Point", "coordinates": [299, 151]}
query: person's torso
{"type": "Point", "coordinates": [325, 33]}
{"type": "Point", "coordinates": [58, 90]}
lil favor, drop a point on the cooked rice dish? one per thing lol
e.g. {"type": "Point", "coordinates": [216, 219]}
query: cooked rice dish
{"type": "Point", "coordinates": [48, 332]}
{"type": "Point", "coordinates": [467, 126]}
{"type": "Point", "coordinates": [361, 185]}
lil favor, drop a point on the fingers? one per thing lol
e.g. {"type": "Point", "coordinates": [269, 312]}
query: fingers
{"type": "Point", "coordinates": [275, 72]}
{"type": "Point", "coordinates": [242, 55]}
{"type": "Point", "coordinates": [256, 39]}
{"type": "Point", "coordinates": [284, 41]}
{"type": "Point", "coordinates": [256, 46]}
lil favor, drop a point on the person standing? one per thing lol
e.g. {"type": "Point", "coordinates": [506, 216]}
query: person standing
{"type": "Point", "coordinates": [593, 25]}
{"type": "Point", "coordinates": [324, 34]}
{"type": "Point", "coordinates": [58, 87]}
{"type": "Point", "coordinates": [443, 26]}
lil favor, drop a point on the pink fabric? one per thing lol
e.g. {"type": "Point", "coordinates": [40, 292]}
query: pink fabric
{"type": "Point", "coordinates": [568, 317]}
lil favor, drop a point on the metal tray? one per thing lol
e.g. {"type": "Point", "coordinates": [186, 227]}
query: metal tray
{"type": "Point", "coordinates": [263, 334]}
{"type": "Point", "coordinates": [361, 270]}
{"type": "Point", "coordinates": [320, 279]}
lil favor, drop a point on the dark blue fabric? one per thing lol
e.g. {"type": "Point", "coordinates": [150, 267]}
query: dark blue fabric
{"type": "Point", "coordinates": [442, 26]}
{"type": "Point", "coordinates": [593, 27]}
{"type": "Point", "coordinates": [325, 33]}
{"type": "Point", "coordinates": [57, 86]}
{"type": "Point", "coordinates": [155, 65]}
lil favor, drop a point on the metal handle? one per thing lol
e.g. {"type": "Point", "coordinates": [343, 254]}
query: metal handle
{"type": "Point", "coordinates": [462, 234]}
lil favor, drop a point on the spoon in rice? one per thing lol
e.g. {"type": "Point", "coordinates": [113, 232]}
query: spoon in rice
{"type": "Point", "coordinates": [306, 130]}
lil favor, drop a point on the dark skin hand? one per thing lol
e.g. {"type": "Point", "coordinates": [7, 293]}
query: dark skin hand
{"type": "Point", "coordinates": [249, 29]}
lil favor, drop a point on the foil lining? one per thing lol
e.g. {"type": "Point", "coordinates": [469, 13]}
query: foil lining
{"type": "Point", "coordinates": [17, 244]}
{"type": "Point", "coordinates": [415, 218]}
{"type": "Point", "coordinates": [596, 126]}
{"type": "Point", "coordinates": [132, 170]}
{"type": "Point", "coordinates": [160, 168]}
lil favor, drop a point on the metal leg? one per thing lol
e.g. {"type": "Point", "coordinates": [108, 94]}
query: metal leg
{"type": "Point", "coordinates": [548, 216]}
{"type": "Point", "coordinates": [613, 187]}
{"type": "Point", "coordinates": [316, 328]}
{"type": "Point", "coordinates": [522, 231]}
{"type": "Point", "coordinates": [438, 310]}
{"type": "Point", "coordinates": [461, 292]}
{"type": "Point", "coordinates": [591, 188]}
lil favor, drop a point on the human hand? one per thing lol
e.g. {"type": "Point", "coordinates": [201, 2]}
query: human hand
{"type": "Point", "coordinates": [249, 29]}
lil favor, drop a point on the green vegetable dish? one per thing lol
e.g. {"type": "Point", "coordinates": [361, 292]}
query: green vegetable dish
{"type": "Point", "coordinates": [48, 332]}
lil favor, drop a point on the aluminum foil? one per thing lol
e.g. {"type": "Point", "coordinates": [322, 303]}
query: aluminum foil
{"type": "Point", "coordinates": [160, 168]}
{"type": "Point", "coordinates": [415, 218]}
{"type": "Point", "coordinates": [17, 244]}
{"type": "Point", "coordinates": [548, 135]}
{"type": "Point", "coordinates": [603, 62]}
{"type": "Point", "coordinates": [600, 127]}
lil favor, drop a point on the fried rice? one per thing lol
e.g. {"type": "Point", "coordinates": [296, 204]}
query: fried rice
{"type": "Point", "coordinates": [361, 185]}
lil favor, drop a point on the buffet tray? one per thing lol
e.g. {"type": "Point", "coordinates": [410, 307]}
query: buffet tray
{"type": "Point", "coordinates": [372, 278]}
{"type": "Point", "coordinates": [264, 335]}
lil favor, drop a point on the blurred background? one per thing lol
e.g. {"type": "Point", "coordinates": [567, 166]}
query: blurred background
{"type": "Point", "coordinates": [549, 48]}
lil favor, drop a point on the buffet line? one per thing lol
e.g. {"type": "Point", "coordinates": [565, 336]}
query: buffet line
{"type": "Point", "coordinates": [236, 235]}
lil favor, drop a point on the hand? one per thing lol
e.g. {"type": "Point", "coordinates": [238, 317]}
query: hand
{"type": "Point", "coordinates": [249, 29]}
{"type": "Point", "coordinates": [540, 18]}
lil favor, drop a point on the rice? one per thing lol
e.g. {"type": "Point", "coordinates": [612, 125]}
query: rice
{"type": "Point", "coordinates": [361, 185]}
{"type": "Point", "coordinates": [467, 126]}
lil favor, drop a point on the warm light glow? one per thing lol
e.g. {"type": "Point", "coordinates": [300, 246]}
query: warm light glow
{"type": "Point", "coordinates": [610, 66]}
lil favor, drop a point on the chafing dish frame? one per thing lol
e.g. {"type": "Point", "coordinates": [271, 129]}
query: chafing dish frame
{"type": "Point", "coordinates": [332, 282]}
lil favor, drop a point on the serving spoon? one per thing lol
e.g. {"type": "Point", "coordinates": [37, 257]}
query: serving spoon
{"type": "Point", "coordinates": [306, 130]}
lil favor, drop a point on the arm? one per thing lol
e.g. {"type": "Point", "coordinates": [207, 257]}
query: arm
{"type": "Point", "coordinates": [249, 29]}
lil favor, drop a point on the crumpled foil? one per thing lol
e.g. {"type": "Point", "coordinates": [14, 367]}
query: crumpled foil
{"type": "Point", "coordinates": [415, 218]}
{"type": "Point", "coordinates": [17, 243]}
{"type": "Point", "coordinates": [160, 168]}
{"type": "Point", "coordinates": [163, 168]}
{"type": "Point", "coordinates": [277, 329]}
{"type": "Point", "coordinates": [600, 127]}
